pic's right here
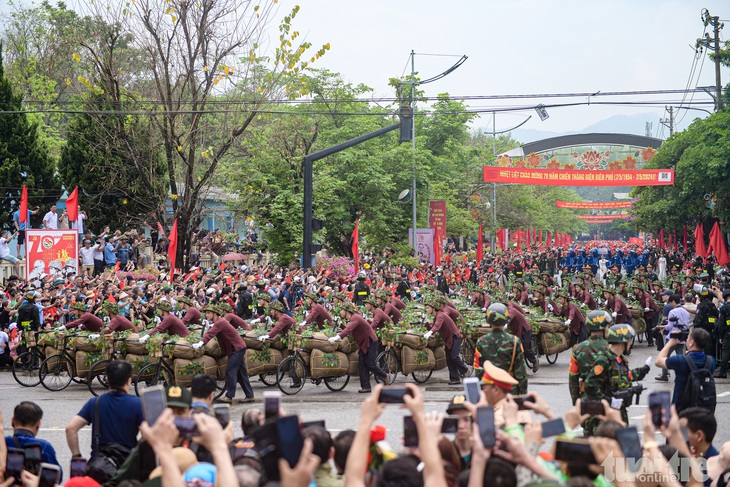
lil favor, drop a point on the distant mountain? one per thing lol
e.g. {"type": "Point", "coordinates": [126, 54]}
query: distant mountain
{"type": "Point", "coordinates": [621, 124]}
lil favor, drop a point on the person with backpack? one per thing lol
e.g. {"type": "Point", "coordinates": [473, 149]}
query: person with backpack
{"type": "Point", "coordinates": [694, 384]}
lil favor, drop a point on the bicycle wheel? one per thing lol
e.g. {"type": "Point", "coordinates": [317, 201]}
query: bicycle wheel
{"type": "Point", "coordinates": [27, 367]}
{"type": "Point", "coordinates": [388, 361]}
{"type": "Point", "coordinates": [336, 384]}
{"type": "Point", "coordinates": [220, 389]}
{"type": "Point", "coordinates": [467, 352]}
{"type": "Point", "coordinates": [552, 358]}
{"type": "Point", "coordinates": [96, 380]}
{"type": "Point", "coordinates": [268, 379]}
{"type": "Point", "coordinates": [421, 376]}
{"type": "Point", "coordinates": [153, 375]}
{"type": "Point", "coordinates": [290, 375]}
{"type": "Point", "coordinates": [56, 372]}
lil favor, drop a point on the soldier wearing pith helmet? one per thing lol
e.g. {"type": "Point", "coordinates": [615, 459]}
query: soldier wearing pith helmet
{"type": "Point", "coordinates": [235, 348]}
{"type": "Point", "coordinates": [452, 338]}
{"type": "Point", "coordinates": [317, 313]}
{"type": "Point", "coordinates": [500, 348]}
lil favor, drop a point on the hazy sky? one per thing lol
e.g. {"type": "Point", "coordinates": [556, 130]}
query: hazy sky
{"type": "Point", "coordinates": [520, 47]}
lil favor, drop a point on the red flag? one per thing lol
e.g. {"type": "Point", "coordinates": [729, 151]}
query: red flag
{"type": "Point", "coordinates": [503, 238]}
{"type": "Point", "coordinates": [662, 244]}
{"type": "Point", "coordinates": [540, 237]}
{"type": "Point", "coordinates": [117, 266]}
{"type": "Point", "coordinates": [685, 237]}
{"type": "Point", "coordinates": [717, 244]}
{"type": "Point", "coordinates": [172, 249]}
{"type": "Point", "coordinates": [23, 216]}
{"type": "Point", "coordinates": [72, 205]}
{"type": "Point", "coordinates": [356, 246]}
{"type": "Point", "coordinates": [547, 240]}
{"type": "Point", "coordinates": [480, 244]}
{"type": "Point", "coordinates": [557, 242]}
{"type": "Point", "coordinates": [700, 248]}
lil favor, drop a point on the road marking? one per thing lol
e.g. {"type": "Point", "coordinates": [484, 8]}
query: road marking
{"type": "Point", "coordinates": [723, 394]}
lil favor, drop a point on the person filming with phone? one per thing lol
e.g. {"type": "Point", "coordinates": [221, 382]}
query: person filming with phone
{"type": "Point", "coordinates": [26, 423]}
{"type": "Point", "coordinates": [678, 321]}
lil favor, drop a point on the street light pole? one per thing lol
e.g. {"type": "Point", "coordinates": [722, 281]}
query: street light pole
{"type": "Point", "coordinates": [413, 148]}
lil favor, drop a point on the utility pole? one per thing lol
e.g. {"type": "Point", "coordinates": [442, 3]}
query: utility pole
{"type": "Point", "coordinates": [413, 152]}
{"type": "Point", "coordinates": [668, 122]}
{"type": "Point", "coordinates": [647, 129]}
{"type": "Point", "coordinates": [713, 45]}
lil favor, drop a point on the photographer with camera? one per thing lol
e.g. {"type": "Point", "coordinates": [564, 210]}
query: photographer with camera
{"type": "Point", "coordinates": [677, 326]}
{"type": "Point", "coordinates": [686, 392]}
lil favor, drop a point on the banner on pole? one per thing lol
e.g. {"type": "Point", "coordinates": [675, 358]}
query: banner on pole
{"type": "Point", "coordinates": [589, 218]}
{"type": "Point", "coordinates": [547, 177]}
{"type": "Point", "coordinates": [52, 252]}
{"type": "Point", "coordinates": [594, 205]}
{"type": "Point", "coordinates": [437, 218]}
{"type": "Point", "coordinates": [424, 243]}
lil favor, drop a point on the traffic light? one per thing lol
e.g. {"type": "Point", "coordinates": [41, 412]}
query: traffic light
{"type": "Point", "coordinates": [406, 123]}
{"type": "Point", "coordinates": [317, 224]}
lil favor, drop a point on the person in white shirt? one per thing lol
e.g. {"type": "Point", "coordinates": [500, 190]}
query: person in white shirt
{"type": "Point", "coordinates": [99, 255]}
{"type": "Point", "coordinates": [5, 250]}
{"type": "Point", "coordinates": [5, 358]}
{"type": "Point", "coordinates": [87, 258]}
{"type": "Point", "coordinates": [79, 224]}
{"type": "Point", "coordinates": [51, 219]}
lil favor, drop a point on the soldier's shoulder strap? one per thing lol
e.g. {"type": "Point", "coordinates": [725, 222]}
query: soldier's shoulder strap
{"type": "Point", "coordinates": [514, 353]}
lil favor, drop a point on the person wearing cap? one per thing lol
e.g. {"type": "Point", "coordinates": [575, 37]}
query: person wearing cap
{"type": "Point", "coordinates": [367, 344]}
{"type": "Point", "coordinates": [232, 318]}
{"type": "Point", "coordinates": [86, 253]}
{"type": "Point", "coordinates": [723, 334]}
{"type": "Point", "coordinates": [496, 384]}
{"type": "Point", "coordinates": [388, 307]}
{"type": "Point", "coordinates": [29, 316]}
{"type": "Point", "coordinates": [451, 336]}
{"type": "Point", "coordinates": [361, 290]}
{"type": "Point", "coordinates": [244, 302]}
{"type": "Point", "coordinates": [573, 318]}
{"type": "Point", "coordinates": [235, 348]}
{"type": "Point", "coordinates": [118, 322]}
{"type": "Point", "coordinates": [192, 314]}
{"type": "Point", "coordinates": [380, 319]}
{"type": "Point", "coordinates": [463, 438]}
{"type": "Point", "coordinates": [501, 348]}
{"type": "Point", "coordinates": [170, 324]}
{"type": "Point", "coordinates": [705, 317]}
{"type": "Point", "coordinates": [85, 320]}
{"type": "Point", "coordinates": [317, 313]}
{"type": "Point", "coordinates": [651, 310]}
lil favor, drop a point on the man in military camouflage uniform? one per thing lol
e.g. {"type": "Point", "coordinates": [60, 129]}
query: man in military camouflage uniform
{"type": "Point", "coordinates": [501, 348]}
{"type": "Point", "coordinates": [589, 364]}
{"type": "Point", "coordinates": [619, 339]}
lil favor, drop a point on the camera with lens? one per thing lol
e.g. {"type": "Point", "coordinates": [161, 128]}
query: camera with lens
{"type": "Point", "coordinates": [680, 333]}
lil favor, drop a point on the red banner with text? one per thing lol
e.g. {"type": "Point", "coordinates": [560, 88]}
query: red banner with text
{"type": "Point", "coordinates": [53, 252]}
{"type": "Point", "coordinates": [594, 205]}
{"type": "Point", "coordinates": [547, 177]}
{"type": "Point", "coordinates": [437, 218]}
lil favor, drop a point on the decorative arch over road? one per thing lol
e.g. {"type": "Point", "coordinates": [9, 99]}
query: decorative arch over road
{"type": "Point", "coordinates": [597, 151]}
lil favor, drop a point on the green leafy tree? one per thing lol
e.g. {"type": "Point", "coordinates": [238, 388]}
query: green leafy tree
{"type": "Point", "coordinates": [23, 156]}
{"type": "Point", "coordinates": [699, 155]}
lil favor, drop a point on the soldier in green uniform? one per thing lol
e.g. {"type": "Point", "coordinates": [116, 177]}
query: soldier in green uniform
{"type": "Point", "coordinates": [589, 366]}
{"type": "Point", "coordinates": [619, 339]}
{"type": "Point", "coordinates": [501, 348]}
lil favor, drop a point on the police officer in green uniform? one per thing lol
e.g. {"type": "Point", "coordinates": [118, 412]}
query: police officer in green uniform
{"type": "Point", "coordinates": [619, 338]}
{"type": "Point", "coordinates": [589, 366]}
{"type": "Point", "coordinates": [501, 348]}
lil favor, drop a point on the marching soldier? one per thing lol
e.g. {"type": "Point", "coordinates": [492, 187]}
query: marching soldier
{"type": "Point", "coordinates": [451, 337]}
{"type": "Point", "coordinates": [588, 362]}
{"type": "Point", "coordinates": [170, 324]}
{"type": "Point", "coordinates": [501, 349]}
{"type": "Point", "coordinates": [389, 308]}
{"type": "Point", "coordinates": [317, 313]}
{"type": "Point", "coordinates": [621, 377]}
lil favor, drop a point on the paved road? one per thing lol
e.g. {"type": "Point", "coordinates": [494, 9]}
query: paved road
{"type": "Point", "coordinates": [340, 410]}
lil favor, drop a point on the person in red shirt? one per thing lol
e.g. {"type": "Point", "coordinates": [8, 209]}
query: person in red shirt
{"type": "Point", "coordinates": [192, 315]}
{"type": "Point", "coordinates": [380, 319]}
{"type": "Point", "coordinates": [283, 321]}
{"type": "Point", "coordinates": [389, 308]}
{"type": "Point", "coordinates": [170, 323]}
{"type": "Point", "coordinates": [118, 322]}
{"type": "Point", "coordinates": [85, 320]}
{"type": "Point", "coordinates": [317, 313]}
{"type": "Point", "coordinates": [446, 327]}
{"type": "Point", "coordinates": [235, 348]}
{"type": "Point", "coordinates": [233, 318]}
{"type": "Point", "coordinates": [367, 344]}
{"type": "Point", "coordinates": [618, 309]}
{"type": "Point", "coordinates": [573, 318]}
